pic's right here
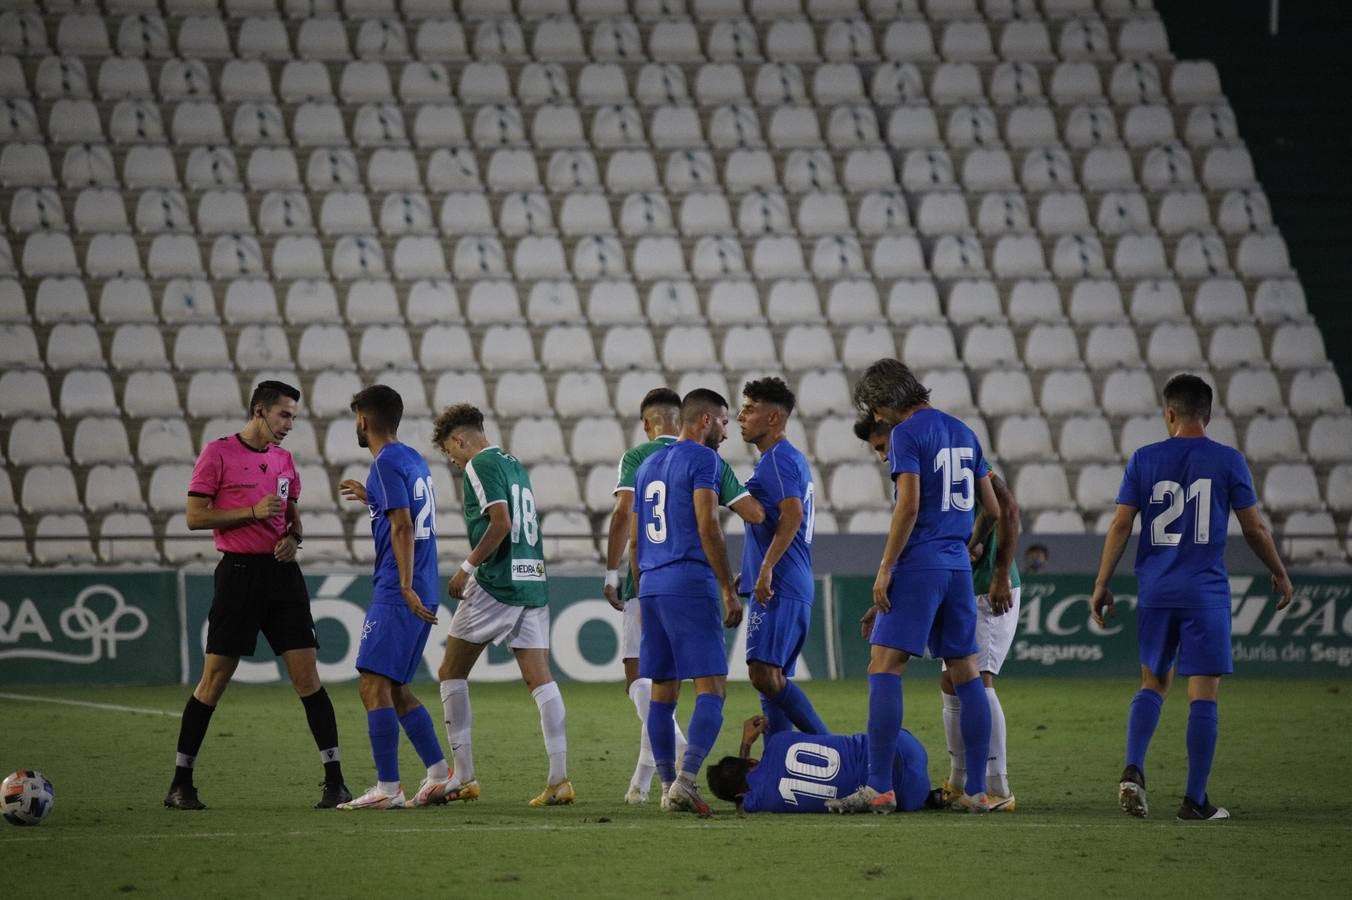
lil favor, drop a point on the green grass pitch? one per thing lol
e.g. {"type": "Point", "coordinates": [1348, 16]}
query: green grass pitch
{"type": "Point", "coordinates": [1283, 768]}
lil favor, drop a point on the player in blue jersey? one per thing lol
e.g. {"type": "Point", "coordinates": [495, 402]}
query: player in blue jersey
{"type": "Point", "coordinates": [799, 773]}
{"type": "Point", "coordinates": [404, 591]}
{"type": "Point", "coordinates": [1185, 489]}
{"type": "Point", "coordinates": [777, 558]}
{"type": "Point", "coordinates": [923, 591]}
{"type": "Point", "coordinates": [681, 566]}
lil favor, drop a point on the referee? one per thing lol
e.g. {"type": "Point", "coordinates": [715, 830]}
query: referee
{"type": "Point", "coordinates": [245, 489]}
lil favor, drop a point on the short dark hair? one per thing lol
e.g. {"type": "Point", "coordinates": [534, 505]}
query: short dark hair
{"type": "Point", "coordinates": [1189, 396]}
{"type": "Point", "coordinates": [659, 396]}
{"type": "Point", "coordinates": [770, 390]}
{"type": "Point", "coordinates": [269, 392]}
{"type": "Point", "coordinates": [866, 427]}
{"type": "Point", "coordinates": [380, 403]}
{"type": "Point", "coordinates": [889, 384]}
{"type": "Point", "coordinates": [700, 401]}
{"type": "Point", "coordinates": [727, 778]}
{"type": "Point", "coordinates": [452, 419]}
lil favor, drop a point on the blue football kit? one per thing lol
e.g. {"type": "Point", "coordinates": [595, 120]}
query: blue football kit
{"type": "Point", "coordinates": [933, 606]}
{"type": "Point", "coordinates": [1185, 489]}
{"type": "Point", "coordinates": [393, 638]}
{"type": "Point", "coordinates": [682, 629]}
{"type": "Point", "coordinates": [776, 631]}
{"type": "Point", "coordinates": [799, 772]}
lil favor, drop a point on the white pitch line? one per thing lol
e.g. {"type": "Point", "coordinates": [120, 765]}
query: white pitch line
{"type": "Point", "coordinates": [110, 707]}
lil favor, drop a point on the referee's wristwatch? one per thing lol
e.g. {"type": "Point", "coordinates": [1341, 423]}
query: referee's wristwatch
{"type": "Point", "coordinates": [295, 536]}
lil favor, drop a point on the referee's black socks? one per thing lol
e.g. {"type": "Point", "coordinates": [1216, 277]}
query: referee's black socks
{"type": "Point", "coordinates": [196, 718]}
{"type": "Point", "coordinates": [324, 727]}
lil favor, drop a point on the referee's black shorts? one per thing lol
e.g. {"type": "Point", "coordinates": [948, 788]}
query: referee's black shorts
{"type": "Point", "coordinates": [255, 592]}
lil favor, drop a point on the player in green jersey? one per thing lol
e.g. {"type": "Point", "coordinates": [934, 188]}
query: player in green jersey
{"type": "Point", "coordinates": [995, 581]}
{"type": "Point", "coordinates": [502, 589]}
{"type": "Point", "coordinates": [661, 415]}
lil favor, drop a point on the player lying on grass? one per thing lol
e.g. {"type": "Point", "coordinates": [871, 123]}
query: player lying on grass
{"type": "Point", "coordinates": [1185, 489]}
{"type": "Point", "coordinates": [404, 587]}
{"type": "Point", "coordinates": [798, 773]}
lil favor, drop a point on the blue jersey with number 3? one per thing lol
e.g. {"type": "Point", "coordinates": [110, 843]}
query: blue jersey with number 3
{"type": "Point", "coordinates": [400, 479]}
{"type": "Point", "coordinates": [947, 457]}
{"type": "Point", "coordinates": [670, 555]}
{"type": "Point", "coordinates": [1185, 489]}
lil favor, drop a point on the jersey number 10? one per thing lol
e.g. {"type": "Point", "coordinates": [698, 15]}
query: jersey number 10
{"type": "Point", "coordinates": [816, 765]}
{"type": "Point", "coordinates": [1172, 493]}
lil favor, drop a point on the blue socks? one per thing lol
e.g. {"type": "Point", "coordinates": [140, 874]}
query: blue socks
{"type": "Point", "coordinates": [775, 714]}
{"type": "Point", "coordinates": [662, 738]}
{"type": "Point", "coordinates": [382, 725]}
{"type": "Point", "coordinates": [797, 708]}
{"type": "Point", "coordinates": [423, 735]}
{"type": "Point", "coordinates": [884, 724]}
{"type": "Point", "coordinates": [705, 723]}
{"type": "Point", "coordinates": [1203, 723]}
{"type": "Point", "coordinates": [1141, 722]}
{"type": "Point", "coordinates": [975, 721]}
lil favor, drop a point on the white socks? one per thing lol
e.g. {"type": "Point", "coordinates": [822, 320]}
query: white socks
{"type": "Point", "coordinates": [439, 772]}
{"type": "Point", "coordinates": [388, 788]}
{"type": "Point", "coordinates": [455, 705]}
{"type": "Point", "coordinates": [550, 703]}
{"type": "Point", "coordinates": [997, 769]}
{"type": "Point", "coordinates": [957, 759]}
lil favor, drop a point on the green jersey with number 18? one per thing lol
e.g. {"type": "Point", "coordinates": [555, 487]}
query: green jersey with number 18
{"type": "Point", "coordinates": [730, 490]}
{"type": "Point", "coordinates": [515, 573]}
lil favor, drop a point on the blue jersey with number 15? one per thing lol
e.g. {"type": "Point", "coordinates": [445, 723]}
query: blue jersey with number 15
{"type": "Point", "coordinates": [1185, 489]}
{"type": "Point", "coordinates": [947, 457]}
{"type": "Point", "coordinates": [400, 479]}
{"type": "Point", "coordinates": [670, 555]}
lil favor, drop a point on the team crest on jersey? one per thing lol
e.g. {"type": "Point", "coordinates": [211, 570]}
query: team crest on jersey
{"type": "Point", "coordinates": [283, 487]}
{"type": "Point", "coordinates": [372, 510]}
{"type": "Point", "coordinates": [528, 570]}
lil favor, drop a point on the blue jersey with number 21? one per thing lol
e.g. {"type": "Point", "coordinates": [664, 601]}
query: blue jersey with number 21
{"type": "Point", "coordinates": [670, 555]}
{"type": "Point", "coordinates": [947, 457]}
{"type": "Point", "coordinates": [782, 472]}
{"type": "Point", "coordinates": [1185, 489]}
{"type": "Point", "coordinates": [400, 479]}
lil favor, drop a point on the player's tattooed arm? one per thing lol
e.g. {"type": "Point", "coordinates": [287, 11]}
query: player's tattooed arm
{"type": "Point", "coordinates": [716, 551]}
{"type": "Point", "coordinates": [1005, 534]}
{"type": "Point", "coordinates": [1114, 543]}
{"type": "Point", "coordinates": [898, 534]}
{"type": "Point", "coordinates": [1259, 539]}
{"type": "Point", "coordinates": [752, 728]}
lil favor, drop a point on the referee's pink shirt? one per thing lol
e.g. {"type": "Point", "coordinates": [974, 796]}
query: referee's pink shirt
{"type": "Point", "coordinates": [232, 474]}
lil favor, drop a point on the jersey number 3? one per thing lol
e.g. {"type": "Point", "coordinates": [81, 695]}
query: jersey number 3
{"type": "Point", "coordinates": [656, 494]}
{"type": "Point", "coordinates": [1172, 493]}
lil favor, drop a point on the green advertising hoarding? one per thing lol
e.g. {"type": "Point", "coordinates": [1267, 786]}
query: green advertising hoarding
{"type": "Point", "coordinates": [106, 627]}
{"type": "Point", "coordinates": [1056, 636]}
{"type": "Point", "coordinates": [584, 634]}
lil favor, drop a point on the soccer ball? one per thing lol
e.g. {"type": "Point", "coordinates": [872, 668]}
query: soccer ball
{"type": "Point", "coordinates": [26, 797]}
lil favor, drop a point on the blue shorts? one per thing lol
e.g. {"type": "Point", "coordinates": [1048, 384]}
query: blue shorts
{"type": "Point", "coordinates": [392, 641]}
{"type": "Point", "coordinates": [932, 609]}
{"type": "Point", "coordinates": [775, 633]}
{"type": "Point", "coordinates": [682, 637]}
{"type": "Point", "coordinates": [910, 773]}
{"type": "Point", "coordinates": [1198, 638]}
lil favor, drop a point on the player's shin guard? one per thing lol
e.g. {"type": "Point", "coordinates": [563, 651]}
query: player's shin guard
{"type": "Point", "coordinates": [1203, 726]}
{"type": "Point", "coordinates": [458, 716]}
{"type": "Point", "coordinates": [705, 723]}
{"type": "Point", "coordinates": [799, 709]}
{"type": "Point", "coordinates": [997, 765]}
{"type": "Point", "coordinates": [324, 726]}
{"type": "Point", "coordinates": [884, 723]}
{"type": "Point", "coordinates": [1142, 719]}
{"type": "Point", "coordinates": [422, 734]}
{"type": "Point", "coordinates": [662, 736]}
{"type": "Point", "coordinates": [382, 726]}
{"type": "Point", "coordinates": [976, 732]}
{"type": "Point", "coordinates": [552, 719]}
{"type": "Point", "coordinates": [191, 732]}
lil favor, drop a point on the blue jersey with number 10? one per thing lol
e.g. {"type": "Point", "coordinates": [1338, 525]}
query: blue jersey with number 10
{"type": "Point", "coordinates": [670, 555]}
{"type": "Point", "coordinates": [400, 479]}
{"type": "Point", "coordinates": [947, 457]}
{"type": "Point", "coordinates": [1185, 489]}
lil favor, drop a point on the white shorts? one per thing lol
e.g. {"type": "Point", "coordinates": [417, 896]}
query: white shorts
{"type": "Point", "coordinates": [995, 634]}
{"type": "Point", "coordinates": [481, 618]}
{"type": "Point", "coordinates": [631, 630]}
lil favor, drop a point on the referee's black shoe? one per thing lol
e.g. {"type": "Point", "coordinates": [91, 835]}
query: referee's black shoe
{"type": "Point", "coordinates": [333, 795]}
{"type": "Point", "coordinates": [183, 796]}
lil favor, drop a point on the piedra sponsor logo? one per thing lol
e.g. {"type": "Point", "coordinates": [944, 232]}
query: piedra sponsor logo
{"type": "Point", "coordinates": [528, 570]}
